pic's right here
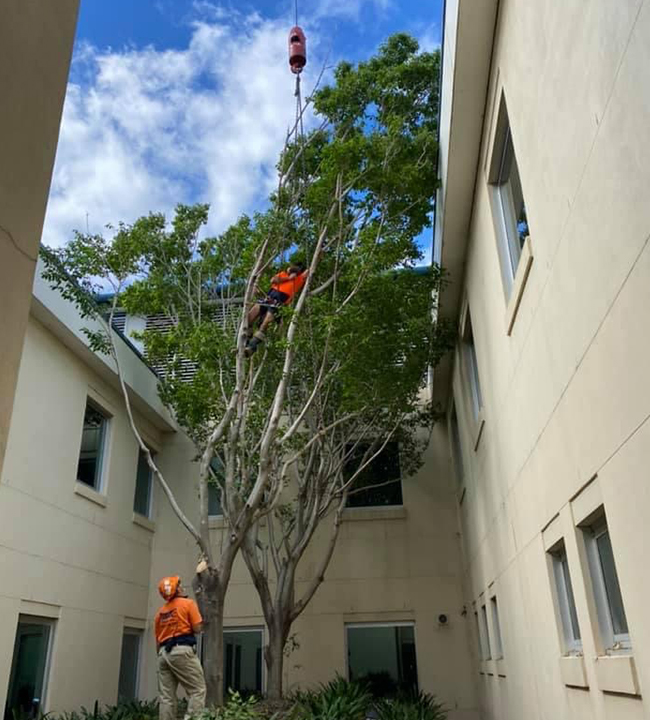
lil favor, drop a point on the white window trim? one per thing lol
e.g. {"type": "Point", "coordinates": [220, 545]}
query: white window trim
{"type": "Point", "coordinates": [128, 630]}
{"type": "Point", "coordinates": [247, 629]}
{"type": "Point", "coordinates": [104, 454]}
{"type": "Point", "coordinates": [51, 623]}
{"type": "Point", "coordinates": [496, 628]}
{"type": "Point", "coordinates": [397, 623]}
{"type": "Point", "coordinates": [456, 445]}
{"type": "Point", "coordinates": [571, 644]}
{"type": "Point", "coordinates": [479, 636]}
{"type": "Point", "coordinates": [152, 485]}
{"type": "Point", "coordinates": [484, 628]}
{"type": "Point", "coordinates": [514, 276]}
{"type": "Point", "coordinates": [470, 374]}
{"type": "Point", "coordinates": [614, 644]}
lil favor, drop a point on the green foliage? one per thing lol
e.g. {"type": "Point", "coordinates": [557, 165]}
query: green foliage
{"type": "Point", "coordinates": [337, 699]}
{"type": "Point", "coordinates": [411, 707]}
{"type": "Point", "coordinates": [131, 710]}
{"type": "Point", "coordinates": [236, 708]}
{"type": "Point", "coordinates": [360, 189]}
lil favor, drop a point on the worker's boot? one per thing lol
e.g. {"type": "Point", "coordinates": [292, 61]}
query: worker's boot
{"type": "Point", "coordinates": [256, 340]}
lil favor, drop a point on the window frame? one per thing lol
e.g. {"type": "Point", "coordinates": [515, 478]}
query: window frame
{"type": "Point", "coordinates": [614, 643]}
{"type": "Point", "coordinates": [150, 498]}
{"type": "Point", "coordinates": [479, 636]}
{"type": "Point", "coordinates": [398, 481]}
{"type": "Point", "coordinates": [456, 446]}
{"type": "Point", "coordinates": [397, 623]}
{"type": "Point", "coordinates": [496, 628]}
{"type": "Point", "coordinates": [25, 619]}
{"type": "Point", "coordinates": [136, 632]}
{"type": "Point", "coordinates": [503, 159]}
{"type": "Point", "coordinates": [563, 591]}
{"type": "Point", "coordinates": [470, 366]}
{"type": "Point", "coordinates": [484, 628]}
{"type": "Point", "coordinates": [244, 629]}
{"type": "Point", "coordinates": [102, 455]}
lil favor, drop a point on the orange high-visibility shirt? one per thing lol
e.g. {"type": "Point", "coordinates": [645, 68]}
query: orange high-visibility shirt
{"type": "Point", "coordinates": [289, 285]}
{"type": "Point", "coordinates": [177, 617]}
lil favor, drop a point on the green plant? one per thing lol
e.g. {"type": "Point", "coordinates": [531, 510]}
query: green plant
{"type": "Point", "coordinates": [339, 699]}
{"type": "Point", "coordinates": [417, 706]}
{"type": "Point", "coordinates": [129, 710]}
{"type": "Point", "coordinates": [236, 708]}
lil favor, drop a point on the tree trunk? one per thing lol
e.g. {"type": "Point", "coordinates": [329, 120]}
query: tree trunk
{"type": "Point", "coordinates": [274, 657]}
{"type": "Point", "coordinates": [211, 602]}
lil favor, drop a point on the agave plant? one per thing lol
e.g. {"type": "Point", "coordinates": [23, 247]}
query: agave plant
{"type": "Point", "coordinates": [337, 700]}
{"type": "Point", "coordinates": [415, 706]}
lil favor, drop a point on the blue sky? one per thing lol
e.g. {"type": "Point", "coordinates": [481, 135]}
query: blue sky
{"type": "Point", "coordinates": [189, 100]}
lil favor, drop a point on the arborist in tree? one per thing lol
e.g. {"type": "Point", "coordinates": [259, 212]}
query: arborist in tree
{"type": "Point", "coordinates": [176, 625]}
{"type": "Point", "coordinates": [284, 286]}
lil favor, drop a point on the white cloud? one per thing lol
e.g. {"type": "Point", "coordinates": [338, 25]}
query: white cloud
{"type": "Point", "coordinates": [144, 129]}
{"type": "Point", "coordinates": [429, 38]}
{"type": "Point", "coordinates": [350, 9]}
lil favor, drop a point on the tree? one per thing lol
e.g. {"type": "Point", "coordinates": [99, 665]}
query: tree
{"type": "Point", "coordinates": [366, 342]}
{"type": "Point", "coordinates": [283, 436]}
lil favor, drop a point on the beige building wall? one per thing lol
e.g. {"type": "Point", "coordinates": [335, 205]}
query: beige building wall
{"type": "Point", "coordinates": [80, 558]}
{"type": "Point", "coordinates": [563, 431]}
{"type": "Point", "coordinates": [390, 565]}
{"type": "Point", "coordinates": [35, 49]}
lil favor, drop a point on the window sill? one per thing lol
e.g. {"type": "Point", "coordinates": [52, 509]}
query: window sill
{"type": "Point", "coordinates": [518, 284]}
{"type": "Point", "coordinates": [617, 674]}
{"type": "Point", "coordinates": [216, 522]}
{"type": "Point", "coordinates": [573, 672]}
{"type": "Point", "coordinates": [87, 492]}
{"type": "Point", "coordinates": [387, 512]}
{"type": "Point", "coordinates": [144, 522]}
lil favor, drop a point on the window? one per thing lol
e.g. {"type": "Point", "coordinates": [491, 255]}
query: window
{"type": "Point", "coordinates": [456, 447]}
{"type": "Point", "coordinates": [383, 656]}
{"type": "Point", "coordinates": [29, 668]}
{"type": "Point", "coordinates": [142, 500]}
{"type": "Point", "coordinates": [609, 601]}
{"type": "Point", "coordinates": [129, 665]}
{"type": "Point", "coordinates": [93, 441]}
{"type": "Point", "coordinates": [483, 629]}
{"type": "Point", "coordinates": [509, 204]}
{"type": "Point", "coordinates": [471, 367]}
{"type": "Point", "coordinates": [496, 628]}
{"type": "Point", "coordinates": [565, 600]}
{"type": "Point", "coordinates": [379, 483]}
{"type": "Point", "coordinates": [243, 660]}
{"type": "Point", "coordinates": [479, 637]}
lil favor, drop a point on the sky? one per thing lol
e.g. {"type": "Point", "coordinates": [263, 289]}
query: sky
{"type": "Point", "coordinates": [173, 101]}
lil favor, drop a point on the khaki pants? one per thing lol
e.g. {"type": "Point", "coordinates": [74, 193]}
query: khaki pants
{"type": "Point", "coordinates": [180, 665]}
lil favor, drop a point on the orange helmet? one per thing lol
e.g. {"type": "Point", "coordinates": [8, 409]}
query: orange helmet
{"type": "Point", "coordinates": [168, 587]}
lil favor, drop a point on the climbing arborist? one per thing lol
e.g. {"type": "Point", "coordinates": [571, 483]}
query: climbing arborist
{"type": "Point", "coordinates": [177, 624]}
{"type": "Point", "coordinates": [284, 287]}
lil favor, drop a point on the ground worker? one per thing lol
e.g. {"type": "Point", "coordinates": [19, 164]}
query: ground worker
{"type": "Point", "coordinates": [177, 623]}
{"type": "Point", "coordinates": [284, 287]}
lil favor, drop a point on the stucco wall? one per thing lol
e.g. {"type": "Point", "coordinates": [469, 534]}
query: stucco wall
{"type": "Point", "coordinates": [566, 395]}
{"type": "Point", "coordinates": [35, 49]}
{"type": "Point", "coordinates": [95, 571]}
{"type": "Point", "coordinates": [63, 555]}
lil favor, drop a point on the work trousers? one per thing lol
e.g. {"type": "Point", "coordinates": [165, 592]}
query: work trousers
{"type": "Point", "coordinates": [180, 665]}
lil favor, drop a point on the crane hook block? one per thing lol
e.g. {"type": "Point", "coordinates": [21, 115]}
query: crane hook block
{"type": "Point", "coordinates": [297, 50]}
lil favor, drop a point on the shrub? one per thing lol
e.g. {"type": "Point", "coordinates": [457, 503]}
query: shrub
{"type": "Point", "coordinates": [131, 710]}
{"type": "Point", "coordinates": [236, 708]}
{"type": "Point", "coordinates": [420, 706]}
{"type": "Point", "coordinates": [338, 700]}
